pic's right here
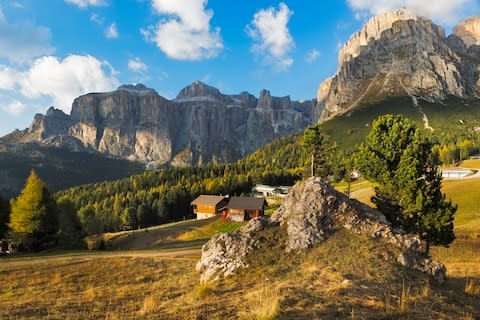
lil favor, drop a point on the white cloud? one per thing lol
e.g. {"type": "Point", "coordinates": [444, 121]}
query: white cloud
{"type": "Point", "coordinates": [97, 18]}
{"type": "Point", "coordinates": [136, 65]}
{"type": "Point", "coordinates": [23, 41]}
{"type": "Point", "coordinates": [445, 11]}
{"type": "Point", "coordinates": [7, 78]}
{"type": "Point", "coordinates": [14, 108]}
{"type": "Point", "coordinates": [87, 3]}
{"type": "Point", "coordinates": [271, 36]}
{"type": "Point", "coordinates": [184, 33]}
{"type": "Point", "coordinates": [60, 80]}
{"type": "Point", "coordinates": [312, 55]}
{"type": "Point", "coordinates": [111, 32]}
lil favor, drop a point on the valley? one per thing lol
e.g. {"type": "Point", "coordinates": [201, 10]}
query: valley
{"type": "Point", "coordinates": [97, 200]}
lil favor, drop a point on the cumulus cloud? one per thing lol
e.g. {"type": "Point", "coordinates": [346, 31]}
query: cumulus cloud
{"type": "Point", "coordinates": [87, 3]}
{"type": "Point", "coordinates": [312, 55]}
{"type": "Point", "coordinates": [271, 36]}
{"type": "Point", "coordinates": [445, 11]}
{"type": "Point", "coordinates": [14, 108]}
{"type": "Point", "coordinates": [111, 32]}
{"type": "Point", "coordinates": [23, 41]}
{"type": "Point", "coordinates": [59, 80]}
{"type": "Point", "coordinates": [136, 65]}
{"type": "Point", "coordinates": [184, 33]}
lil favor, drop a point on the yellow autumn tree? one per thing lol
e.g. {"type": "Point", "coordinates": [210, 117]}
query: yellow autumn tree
{"type": "Point", "coordinates": [33, 217]}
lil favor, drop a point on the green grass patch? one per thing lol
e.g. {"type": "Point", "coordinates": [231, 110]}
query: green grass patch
{"type": "Point", "coordinates": [208, 230]}
{"type": "Point", "coordinates": [466, 194]}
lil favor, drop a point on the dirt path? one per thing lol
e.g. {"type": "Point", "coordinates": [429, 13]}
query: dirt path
{"type": "Point", "coordinates": [183, 254]}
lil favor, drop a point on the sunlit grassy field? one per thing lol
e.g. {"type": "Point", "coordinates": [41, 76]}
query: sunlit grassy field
{"type": "Point", "coordinates": [345, 278]}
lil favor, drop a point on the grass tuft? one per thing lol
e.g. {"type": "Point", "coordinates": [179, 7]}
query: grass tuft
{"type": "Point", "coordinates": [149, 305]}
{"type": "Point", "coordinates": [263, 304]}
{"type": "Point", "coordinates": [472, 287]}
{"type": "Point", "coordinates": [202, 290]}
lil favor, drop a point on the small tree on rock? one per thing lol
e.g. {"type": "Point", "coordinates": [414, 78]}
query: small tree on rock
{"type": "Point", "coordinates": [316, 144]}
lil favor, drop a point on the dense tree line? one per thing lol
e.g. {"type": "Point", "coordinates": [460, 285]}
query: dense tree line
{"type": "Point", "coordinates": [155, 197]}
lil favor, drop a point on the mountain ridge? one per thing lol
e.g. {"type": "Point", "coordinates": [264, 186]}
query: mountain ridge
{"type": "Point", "coordinates": [200, 125]}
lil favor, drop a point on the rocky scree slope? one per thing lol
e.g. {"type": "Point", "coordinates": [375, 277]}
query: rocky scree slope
{"type": "Point", "coordinates": [401, 54]}
{"type": "Point", "coordinates": [310, 213]}
{"type": "Point", "coordinates": [200, 125]}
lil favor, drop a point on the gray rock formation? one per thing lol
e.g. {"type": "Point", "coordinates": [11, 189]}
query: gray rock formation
{"type": "Point", "coordinates": [200, 125]}
{"type": "Point", "coordinates": [400, 54]}
{"type": "Point", "coordinates": [311, 212]}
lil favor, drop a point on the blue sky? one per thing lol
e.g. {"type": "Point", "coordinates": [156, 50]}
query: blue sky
{"type": "Point", "coordinates": [52, 51]}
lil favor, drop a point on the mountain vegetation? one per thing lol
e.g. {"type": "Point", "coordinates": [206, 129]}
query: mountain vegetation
{"type": "Point", "coordinates": [398, 157]}
{"type": "Point", "coordinates": [59, 168]}
{"type": "Point", "coordinates": [4, 217]}
{"type": "Point", "coordinates": [455, 123]}
{"type": "Point", "coordinates": [164, 195]}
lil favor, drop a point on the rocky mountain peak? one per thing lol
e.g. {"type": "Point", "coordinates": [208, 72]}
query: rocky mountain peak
{"type": "Point", "coordinates": [198, 89]}
{"type": "Point", "coordinates": [134, 122]}
{"type": "Point", "coordinates": [138, 89]}
{"type": "Point", "coordinates": [400, 54]}
{"type": "Point", "coordinates": [468, 30]}
{"type": "Point", "coordinates": [372, 30]}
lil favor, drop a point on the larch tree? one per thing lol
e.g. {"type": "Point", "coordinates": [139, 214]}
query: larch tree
{"type": "Point", "coordinates": [398, 157]}
{"type": "Point", "coordinates": [33, 218]}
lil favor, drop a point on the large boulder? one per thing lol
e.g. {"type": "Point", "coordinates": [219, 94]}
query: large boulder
{"type": "Point", "coordinates": [311, 212]}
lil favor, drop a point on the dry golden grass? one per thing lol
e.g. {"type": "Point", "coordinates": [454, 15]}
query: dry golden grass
{"type": "Point", "coordinates": [347, 277]}
{"type": "Point", "coordinates": [150, 303]}
{"type": "Point", "coordinates": [262, 304]}
{"type": "Point", "coordinates": [472, 287]}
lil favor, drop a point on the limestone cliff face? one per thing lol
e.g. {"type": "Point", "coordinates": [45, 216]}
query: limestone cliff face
{"type": "Point", "coordinates": [200, 125]}
{"type": "Point", "coordinates": [398, 54]}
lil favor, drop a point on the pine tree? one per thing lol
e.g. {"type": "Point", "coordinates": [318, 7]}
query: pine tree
{"type": "Point", "coordinates": [33, 218]}
{"type": "Point", "coordinates": [69, 226]}
{"type": "Point", "coordinates": [4, 217]}
{"type": "Point", "coordinates": [398, 157]}
{"type": "Point", "coordinates": [316, 144]}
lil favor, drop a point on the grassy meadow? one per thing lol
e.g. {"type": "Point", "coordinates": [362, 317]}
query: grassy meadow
{"type": "Point", "coordinates": [347, 277]}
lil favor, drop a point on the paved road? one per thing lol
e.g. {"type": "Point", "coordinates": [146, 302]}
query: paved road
{"type": "Point", "coordinates": [185, 254]}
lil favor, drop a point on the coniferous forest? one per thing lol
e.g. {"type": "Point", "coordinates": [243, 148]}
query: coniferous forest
{"type": "Point", "coordinates": [164, 195]}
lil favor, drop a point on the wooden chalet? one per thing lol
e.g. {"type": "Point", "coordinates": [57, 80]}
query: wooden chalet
{"type": "Point", "coordinates": [207, 206]}
{"type": "Point", "coordinates": [244, 208]}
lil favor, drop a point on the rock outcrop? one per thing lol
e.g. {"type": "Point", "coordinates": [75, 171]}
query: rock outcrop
{"type": "Point", "coordinates": [311, 212]}
{"type": "Point", "coordinates": [401, 54]}
{"type": "Point", "coordinates": [200, 125]}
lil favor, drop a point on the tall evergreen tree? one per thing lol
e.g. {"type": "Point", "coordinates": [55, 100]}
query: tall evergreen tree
{"type": "Point", "coordinates": [69, 226]}
{"type": "Point", "coordinates": [4, 217]}
{"type": "Point", "coordinates": [398, 157]}
{"type": "Point", "coordinates": [317, 146]}
{"type": "Point", "coordinates": [33, 218]}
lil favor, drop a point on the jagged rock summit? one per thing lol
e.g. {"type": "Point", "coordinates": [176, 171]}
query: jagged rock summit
{"type": "Point", "coordinates": [401, 54]}
{"type": "Point", "coordinates": [310, 213]}
{"type": "Point", "coordinates": [200, 125]}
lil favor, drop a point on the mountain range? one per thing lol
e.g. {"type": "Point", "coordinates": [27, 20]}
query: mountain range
{"type": "Point", "coordinates": [200, 125]}
{"type": "Point", "coordinates": [398, 62]}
